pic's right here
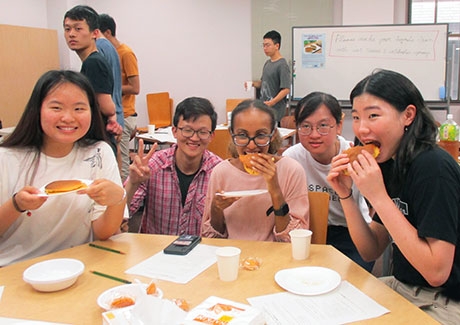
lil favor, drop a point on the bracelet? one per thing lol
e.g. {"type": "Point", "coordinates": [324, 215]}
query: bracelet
{"type": "Point", "coordinates": [348, 196]}
{"type": "Point", "coordinates": [15, 204]}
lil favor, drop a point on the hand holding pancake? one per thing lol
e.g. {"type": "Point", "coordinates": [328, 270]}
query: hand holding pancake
{"type": "Point", "coordinates": [104, 192]}
{"type": "Point", "coordinates": [259, 164]}
{"type": "Point", "coordinates": [353, 153]}
{"type": "Point", "coordinates": [355, 165]}
{"type": "Point", "coordinates": [27, 198]}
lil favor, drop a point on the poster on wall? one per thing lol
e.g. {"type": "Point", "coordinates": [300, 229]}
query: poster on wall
{"type": "Point", "coordinates": [313, 51]}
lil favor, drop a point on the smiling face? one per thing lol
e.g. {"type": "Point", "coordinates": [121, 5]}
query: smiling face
{"type": "Point", "coordinates": [321, 147]}
{"type": "Point", "coordinates": [252, 122]}
{"type": "Point", "coordinates": [376, 121]}
{"type": "Point", "coordinates": [192, 147]}
{"type": "Point", "coordinates": [65, 118]}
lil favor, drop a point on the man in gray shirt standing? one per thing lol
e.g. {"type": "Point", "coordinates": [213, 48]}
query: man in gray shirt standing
{"type": "Point", "coordinates": [275, 83]}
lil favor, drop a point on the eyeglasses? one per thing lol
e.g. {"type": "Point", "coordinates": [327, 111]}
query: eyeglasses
{"type": "Point", "coordinates": [202, 134]}
{"type": "Point", "coordinates": [307, 129]}
{"type": "Point", "coordinates": [261, 140]}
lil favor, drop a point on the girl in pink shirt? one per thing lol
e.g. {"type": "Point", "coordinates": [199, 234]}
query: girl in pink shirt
{"type": "Point", "coordinates": [267, 216]}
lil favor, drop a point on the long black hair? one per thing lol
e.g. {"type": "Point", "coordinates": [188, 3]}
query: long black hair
{"type": "Point", "coordinates": [400, 92]}
{"type": "Point", "coordinates": [310, 103]}
{"type": "Point", "coordinates": [28, 133]}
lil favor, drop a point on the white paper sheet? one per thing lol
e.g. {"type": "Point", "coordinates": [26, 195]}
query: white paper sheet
{"type": "Point", "coordinates": [343, 305]}
{"type": "Point", "coordinates": [176, 268]}
{"type": "Point", "coordinates": [16, 321]}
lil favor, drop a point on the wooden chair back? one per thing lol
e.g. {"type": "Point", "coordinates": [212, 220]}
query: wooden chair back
{"type": "Point", "coordinates": [220, 144]}
{"type": "Point", "coordinates": [319, 212]}
{"type": "Point", "coordinates": [159, 108]}
{"type": "Point", "coordinates": [231, 103]}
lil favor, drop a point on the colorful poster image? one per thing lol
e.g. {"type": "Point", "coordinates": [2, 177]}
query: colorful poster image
{"type": "Point", "coordinates": [313, 51]}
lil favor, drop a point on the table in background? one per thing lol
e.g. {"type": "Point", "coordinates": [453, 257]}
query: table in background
{"type": "Point", "coordinates": [77, 304]}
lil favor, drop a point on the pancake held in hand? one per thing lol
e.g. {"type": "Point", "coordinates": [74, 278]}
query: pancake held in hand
{"type": "Point", "coordinates": [246, 160]}
{"type": "Point", "coordinates": [64, 186]}
{"type": "Point", "coordinates": [353, 152]}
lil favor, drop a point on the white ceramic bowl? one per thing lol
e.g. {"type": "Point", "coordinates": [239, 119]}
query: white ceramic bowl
{"type": "Point", "coordinates": [53, 275]}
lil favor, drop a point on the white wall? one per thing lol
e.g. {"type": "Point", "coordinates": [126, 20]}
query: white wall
{"type": "Point", "coordinates": [200, 47]}
{"type": "Point", "coordinates": [189, 48]}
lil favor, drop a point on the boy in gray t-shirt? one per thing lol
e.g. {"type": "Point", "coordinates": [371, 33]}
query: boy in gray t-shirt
{"type": "Point", "coordinates": [275, 83]}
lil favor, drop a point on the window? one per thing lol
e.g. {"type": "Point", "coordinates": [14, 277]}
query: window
{"type": "Point", "coordinates": [442, 11]}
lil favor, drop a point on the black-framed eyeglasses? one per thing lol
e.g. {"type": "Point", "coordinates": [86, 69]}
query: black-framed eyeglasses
{"type": "Point", "coordinates": [261, 140]}
{"type": "Point", "coordinates": [307, 129]}
{"type": "Point", "coordinates": [189, 132]}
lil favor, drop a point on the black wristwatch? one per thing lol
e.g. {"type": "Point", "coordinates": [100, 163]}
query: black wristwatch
{"type": "Point", "coordinates": [281, 212]}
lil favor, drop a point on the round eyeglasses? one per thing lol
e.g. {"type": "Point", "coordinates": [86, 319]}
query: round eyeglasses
{"type": "Point", "coordinates": [261, 140]}
{"type": "Point", "coordinates": [188, 133]}
{"type": "Point", "coordinates": [307, 129]}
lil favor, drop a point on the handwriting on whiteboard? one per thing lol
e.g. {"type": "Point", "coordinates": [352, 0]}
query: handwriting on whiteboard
{"type": "Point", "coordinates": [400, 45]}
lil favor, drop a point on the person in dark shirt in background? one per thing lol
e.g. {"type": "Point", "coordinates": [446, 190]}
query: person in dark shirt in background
{"type": "Point", "coordinates": [81, 24]}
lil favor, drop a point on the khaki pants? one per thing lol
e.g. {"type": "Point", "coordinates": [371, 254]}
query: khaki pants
{"type": "Point", "coordinates": [429, 300]}
{"type": "Point", "coordinates": [128, 129]}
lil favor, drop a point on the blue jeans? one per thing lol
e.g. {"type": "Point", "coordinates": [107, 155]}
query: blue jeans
{"type": "Point", "coordinates": [340, 238]}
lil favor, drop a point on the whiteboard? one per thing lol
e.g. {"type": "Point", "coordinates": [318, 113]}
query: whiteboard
{"type": "Point", "coordinates": [333, 59]}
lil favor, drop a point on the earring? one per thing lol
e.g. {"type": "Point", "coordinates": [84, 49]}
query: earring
{"type": "Point", "coordinates": [406, 128]}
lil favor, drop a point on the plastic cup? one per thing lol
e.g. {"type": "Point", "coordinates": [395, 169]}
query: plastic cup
{"type": "Point", "coordinates": [248, 85]}
{"type": "Point", "coordinates": [228, 262]}
{"type": "Point", "coordinates": [151, 128]}
{"type": "Point", "coordinates": [300, 242]}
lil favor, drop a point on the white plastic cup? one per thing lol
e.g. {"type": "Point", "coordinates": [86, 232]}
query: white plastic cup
{"type": "Point", "coordinates": [151, 128]}
{"type": "Point", "coordinates": [228, 262]}
{"type": "Point", "coordinates": [300, 242]}
{"type": "Point", "coordinates": [248, 85]}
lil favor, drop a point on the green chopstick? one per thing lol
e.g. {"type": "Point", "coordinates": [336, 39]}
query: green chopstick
{"type": "Point", "coordinates": [106, 248]}
{"type": "Point", "coordinates": [110, 277]}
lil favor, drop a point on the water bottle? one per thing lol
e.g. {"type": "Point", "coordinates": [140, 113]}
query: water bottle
{"type": "Point", "coordinates": [449, 136]}
{"type": "Point", "coordinates": [448, 131]}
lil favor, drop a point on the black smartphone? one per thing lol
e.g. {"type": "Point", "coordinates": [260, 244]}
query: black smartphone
{"type": "Point", "coordinates": [182, 245]}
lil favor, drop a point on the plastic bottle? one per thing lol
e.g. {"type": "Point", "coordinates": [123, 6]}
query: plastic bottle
{"type": "Point", "coordinates": [449, 136]}
{"type": "Point", "coordinates": [448, 131]}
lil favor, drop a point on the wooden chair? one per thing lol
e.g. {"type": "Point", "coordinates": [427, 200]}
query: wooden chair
{"type": "Point", "coordinates": [288, 122]}
{"type": "Point", "coordinates": [231, 103]}
{"type": "Point", "coordinates": [159, 109]}
{"type": "Point", "coordinates": [220, 144]}
{"type": "Point", "coordinates": [319, 212]}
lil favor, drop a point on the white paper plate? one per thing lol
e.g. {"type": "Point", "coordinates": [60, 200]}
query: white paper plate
{"type": "Point", "coordinates": [308, 280]}
{"type": "Point", "coordinates": [43, 193]}
{"type": "Point", "coordinates": [133, 290]}
{"type": "Point", "coordinates": [242, 193]}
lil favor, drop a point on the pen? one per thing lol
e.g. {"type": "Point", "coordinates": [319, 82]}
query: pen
{"type": "Point", "coordinates": [106, 248]}
{"type": "Point", "coordinates": [110, 277]}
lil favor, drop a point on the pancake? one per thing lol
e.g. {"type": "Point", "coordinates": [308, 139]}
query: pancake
{"type": "Point", "coordinates": [246, 160]}
{"type": "Point", "coordinates": [63, 186]}
{"type": "Point", "coordinates": [353, 152]}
